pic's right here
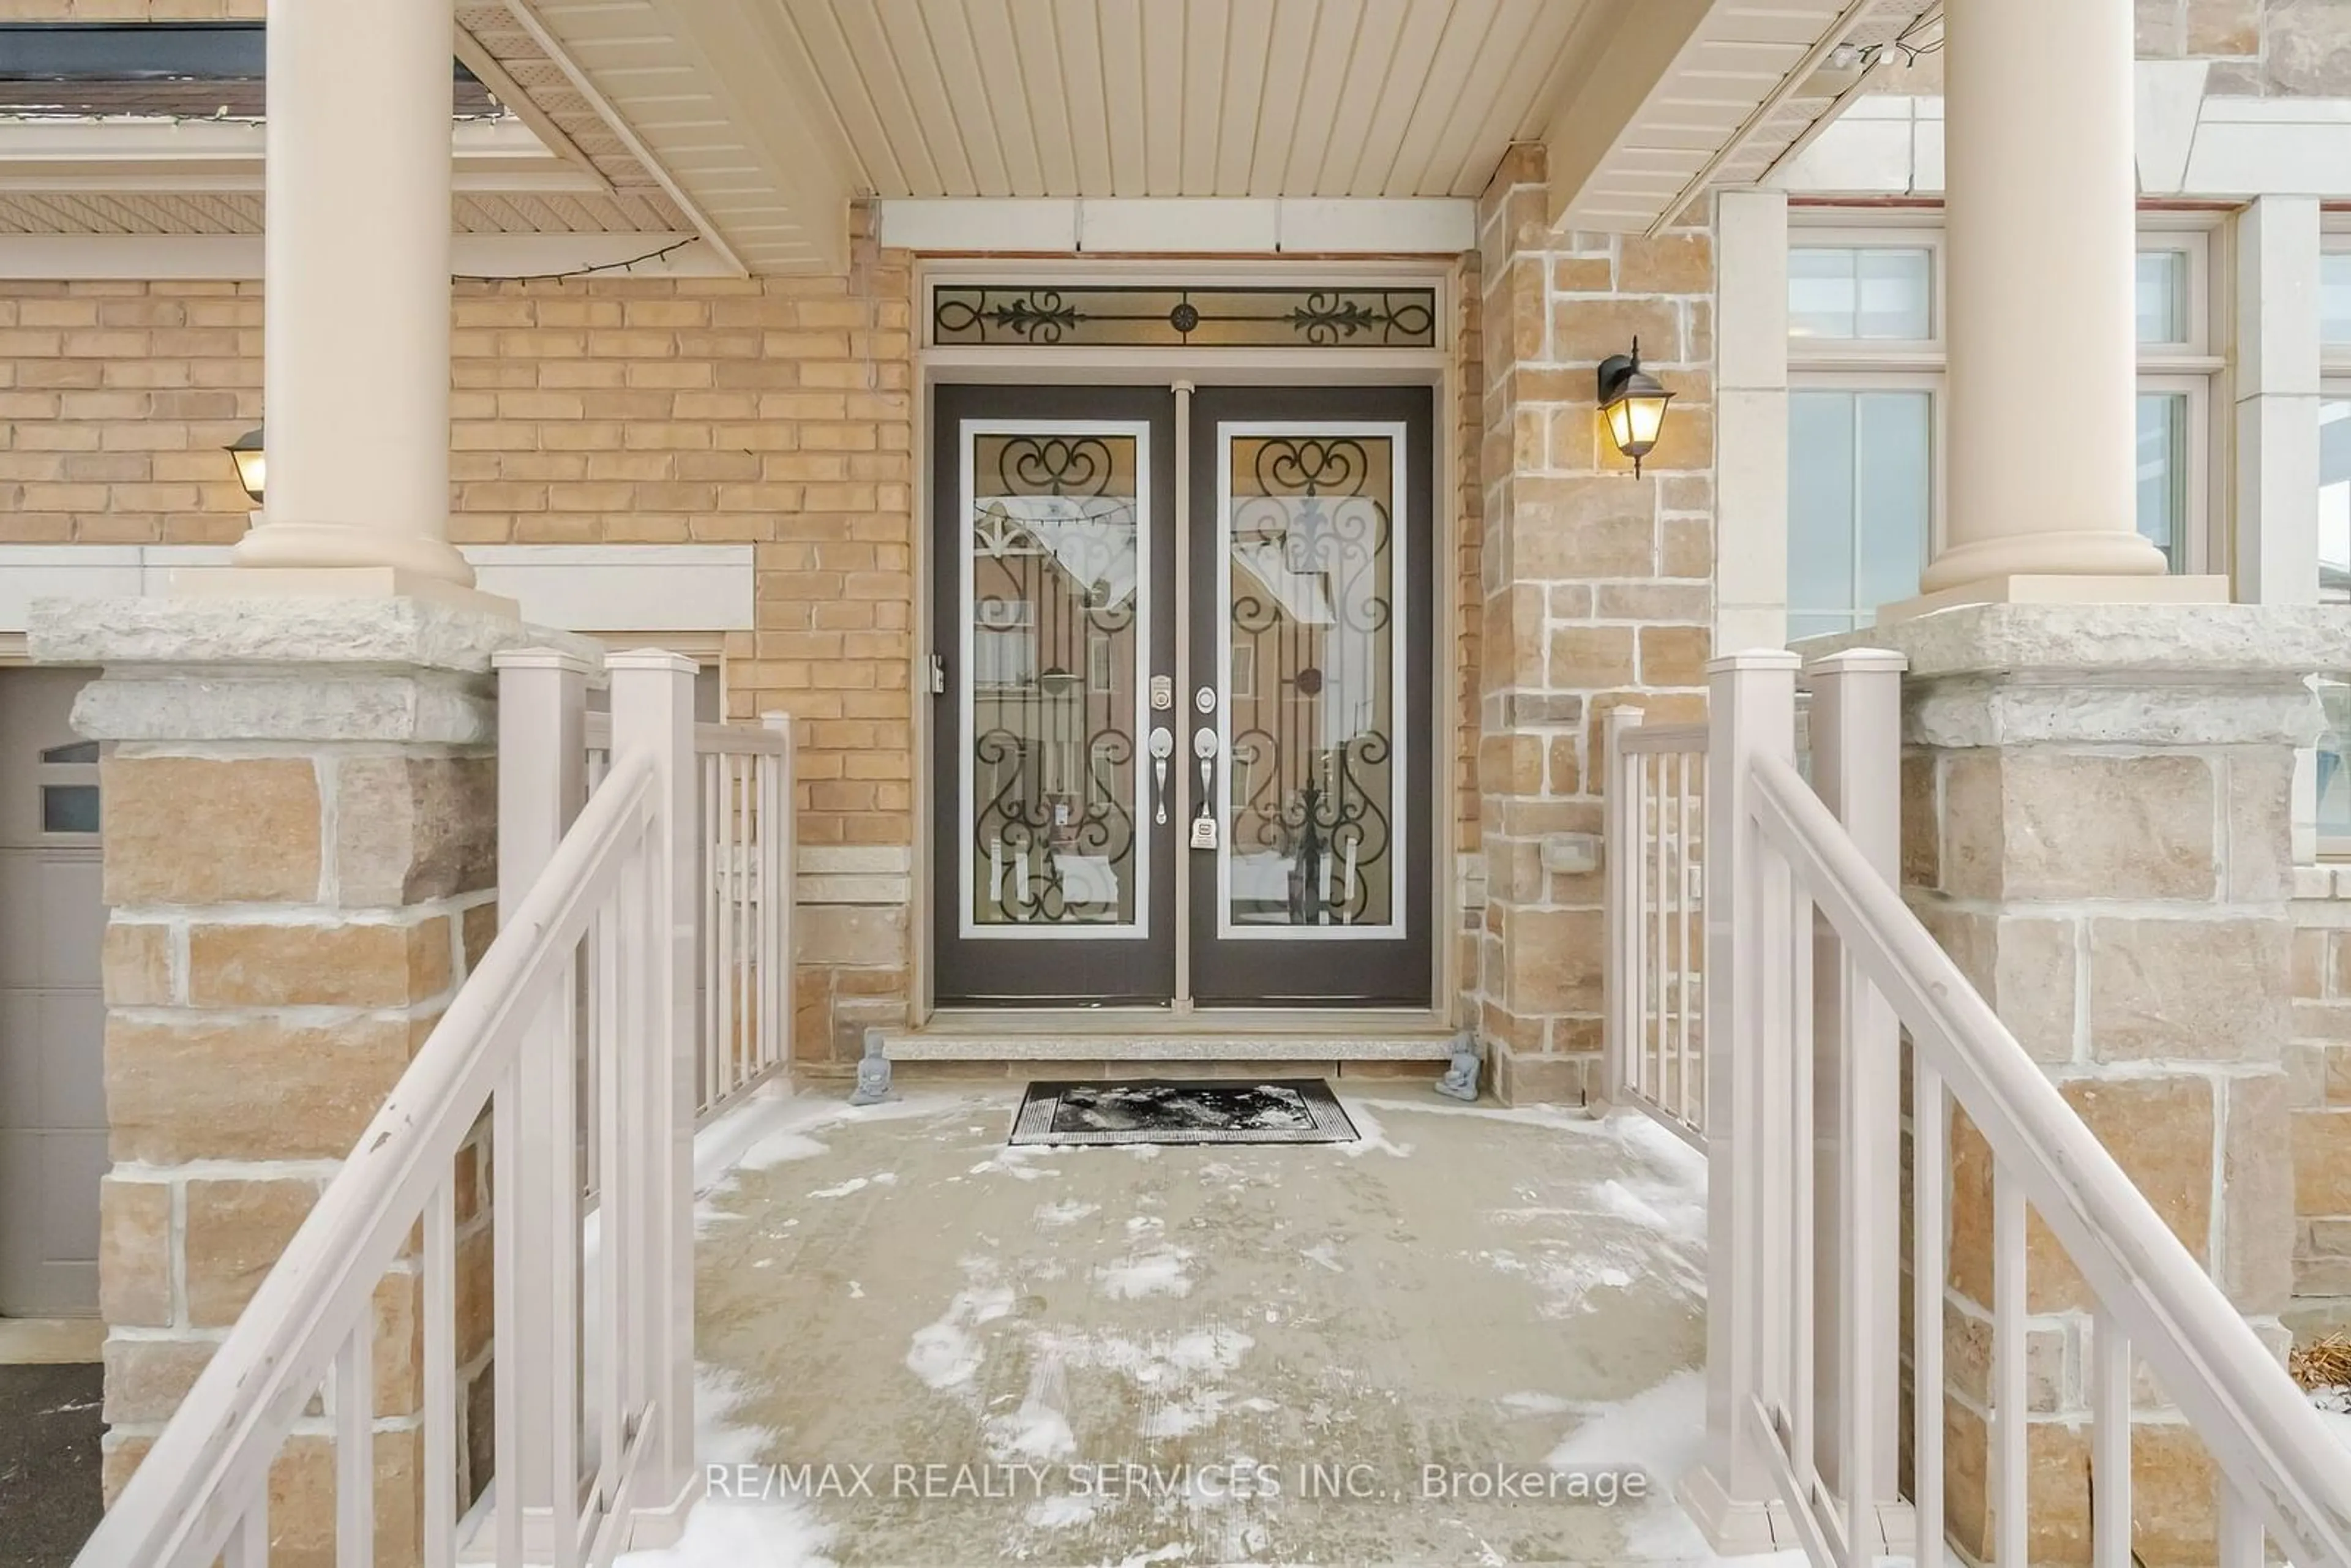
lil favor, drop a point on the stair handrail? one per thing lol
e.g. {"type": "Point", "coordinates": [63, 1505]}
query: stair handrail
{"type": "Point", "coordinates": [201, 1493]}
{"type": "Point", "coordinates": [2264, 1434]}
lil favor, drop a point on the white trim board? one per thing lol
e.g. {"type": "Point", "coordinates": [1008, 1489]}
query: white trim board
{"type": "Point", "coordinates": [1239, 224]}
{"type": "Point", "coordinates": [2188, 145]}
{"type": "Point", "coordinates": [144, 154]}
{"type": "Point", "coordinates": [147, 257]}
{"type": "Point", "coordinates": [573, 588]}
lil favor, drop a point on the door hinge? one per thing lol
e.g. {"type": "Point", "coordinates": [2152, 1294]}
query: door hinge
{"type": "Point", "coordinates": [938, 676]}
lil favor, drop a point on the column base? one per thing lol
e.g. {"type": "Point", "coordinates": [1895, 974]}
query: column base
{"type": "Point", "coordinates": [2062, 590]}
{"type": "Point", "coordinates": [337, 545]}
{"type": "Point", "coordinates": [1734, 1527]}
{"type": "Point", "coordinates": [335, 583]}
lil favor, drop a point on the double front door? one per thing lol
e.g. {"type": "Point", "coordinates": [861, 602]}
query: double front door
{"type": "Point", "coordinates": [1182, 749]}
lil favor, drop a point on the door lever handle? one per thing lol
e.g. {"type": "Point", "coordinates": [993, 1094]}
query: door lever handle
{"type": "Point", "coordinates": [1204, 748]}
{"type": "Point", "coordinates": [1163, 746]}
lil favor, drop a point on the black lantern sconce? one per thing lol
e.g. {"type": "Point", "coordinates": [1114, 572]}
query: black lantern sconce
{"type": "Point", "coordinates": [251, 465]}
{"type": "Point", "coordinates": [1634, 404]}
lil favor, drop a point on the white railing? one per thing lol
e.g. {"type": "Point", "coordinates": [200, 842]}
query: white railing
{"type": "Point", "coordinates": [1816, 961]}
{"type": "Point", "coordinates": [744, 953]}
{"type": "Point", "coordinates": [592, 1448]}
{"type": "Point", "coordinates": [1655, 1029]}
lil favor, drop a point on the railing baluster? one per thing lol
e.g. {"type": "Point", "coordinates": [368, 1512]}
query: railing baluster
{"type": "Point", "coordinates": [711, 840]}
{"type": "Point", "coordinates": [1930, 1266]}
{"type": "Point", "coordinates": [1684, 969]}
{"type": "Point", "coordinates": [1654, 815]}
{"type": "Point", "coordinates": [618, 939]}
{"type": "Point", "coordinates": [249, 1538]}
{"type": "Point", "coordinates": [782, 865]}
{"type": "Point", "coordinates": [2110, 1444]}
{"type": "Point", "coordinates": [440, 1263]}
{"type": "Point", "coordinates": [1802, 1158]}
{"type": "Point", "coordinates": [355, 1447]}
{"type": "Point", "coordinates": [2011, 1507]}
{"type": "Point", "coordinates": [2243, 1543]}
{"type": "Point", "coordinates": [721, 971]}
{"type": "Point", "coordinates": [739, 1046]}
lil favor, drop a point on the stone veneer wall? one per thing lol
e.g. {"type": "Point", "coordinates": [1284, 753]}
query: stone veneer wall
{"type": "Point", "coordinates": [2096, 808]}
{"type": "Point", "coordinates": [300, 871]}
{"type": "Point", "coordinates": [1598, 590]}
{"type": "Point", "coordinates": [1469, 626]}
{"type": "Point", "coordinates": [775, 412]}
{"type": "Point", "coordinates": [2318, 1074]}
{"type": "Point", "coordinates": [2258, 49]}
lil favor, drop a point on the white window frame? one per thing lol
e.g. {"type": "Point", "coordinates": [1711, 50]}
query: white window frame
{"type": "Point", "coordinates": [2189, 367]}
{"type": "Point", "coordinates": [2334, 384]}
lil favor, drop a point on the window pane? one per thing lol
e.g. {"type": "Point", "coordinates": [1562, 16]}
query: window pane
{"type": "Point", "coordinates": [1819, 513]}
{"type": "Point", "coordinates": [1855, 293]}
{"type": "Point", "coordinates": [1895, 487]}
{"type": "Point", "coordinates": [68, 808]}
{"type": "Point", "coordinates": [2163, 472]}
{"type": "Point", "coordinates": [1894, 292]}
{"type": "Point", "coordinates": [2334, 296]}
{"type": "Point", "coordinates": [1819, 293]}
{"type": "Point", "coordinates": [2333, 779]}
{"type": "Point", "coordinates": [75, 751]}
{"type": "Point", "coordinates": [1860, 472]}
{"type": "Point", "coordinates": [2162, 296]}
{"type": "Point", "coordinates": [2335, 501]}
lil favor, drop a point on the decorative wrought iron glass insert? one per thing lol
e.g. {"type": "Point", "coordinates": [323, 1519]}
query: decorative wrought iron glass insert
{"type": "Point", "coordinates": [1055, 625]}
{"type": "Point", "coordinates": [1088, 315]}
{"type": "Point", "coordinates": [1314, 674]}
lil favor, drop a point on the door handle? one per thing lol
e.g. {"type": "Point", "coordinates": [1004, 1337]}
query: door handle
{"type": "Point", "coordinates": [1204, 747]}
{"type": "Point", "coordinates": [1163, 746]}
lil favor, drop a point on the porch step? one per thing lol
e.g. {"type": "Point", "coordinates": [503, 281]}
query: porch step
{"type": "Point", "coordinates": [1025, 1038]}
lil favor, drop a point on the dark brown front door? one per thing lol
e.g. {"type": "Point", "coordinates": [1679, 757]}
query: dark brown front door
{"type": "Point", "coordinates": [1279, 758]}
{"type": "Point", "coordinates": [1310, 625]}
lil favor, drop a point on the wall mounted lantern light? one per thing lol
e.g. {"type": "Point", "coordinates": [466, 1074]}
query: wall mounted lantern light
{"type": "Point", "coordinates": [250, 463]}
{"type": "Point", "coordinates": [1633, 404]}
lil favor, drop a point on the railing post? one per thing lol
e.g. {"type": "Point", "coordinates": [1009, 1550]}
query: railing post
{"type": "Point", "coordinates": [1857, 724]}
{"type": "Point", "coordinates": [1624, 829]}
{"type": "Point", "coordinates": [1751, 712]}
{"type": "Point", "coordinates": [779, 887]}
{"type": "Point", "coordinates": [542, 756]}
{"type": "Point", "coordinates": [652, 712]}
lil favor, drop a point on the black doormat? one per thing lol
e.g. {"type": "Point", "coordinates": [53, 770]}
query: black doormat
{"type": "Point", "coordinates": [1180, 1110]}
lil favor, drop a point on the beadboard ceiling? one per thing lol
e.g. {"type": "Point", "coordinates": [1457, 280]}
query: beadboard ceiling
{"type": "Point", "coordinates": [755, 124]}
{"type": "Point", "coordinates": [1194, 97]}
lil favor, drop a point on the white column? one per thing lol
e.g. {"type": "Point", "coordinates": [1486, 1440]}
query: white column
{"type": "Point", "coordinates": [2040, 195]}
{"type": "Point", "coordinates": [1751, 420]}
{"type": "Point", "coordinates": [356, 275]}
{"type": "Point", "coordinates": [2277, 387]}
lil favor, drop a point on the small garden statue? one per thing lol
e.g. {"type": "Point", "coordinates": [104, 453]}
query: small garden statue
{"type": "Point", "coordinates": [1460, 1080]}
{"type": "Point", "coordinates": [873, 1073]}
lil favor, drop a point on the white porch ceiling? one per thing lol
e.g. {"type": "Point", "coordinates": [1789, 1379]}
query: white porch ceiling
{"type": "Point", "coordinates": [1194, 97]}
{"type": "Point", "coordinates": [757, 122]}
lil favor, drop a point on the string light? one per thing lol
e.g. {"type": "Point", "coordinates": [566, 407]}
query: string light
{"type": "Point", "coordinates": [630, 264]}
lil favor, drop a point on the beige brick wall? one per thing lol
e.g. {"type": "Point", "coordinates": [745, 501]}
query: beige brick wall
{"type": "Point", "coordinates": [775, 412]}
{"type": "Point", "coordinates": [1597, 591]}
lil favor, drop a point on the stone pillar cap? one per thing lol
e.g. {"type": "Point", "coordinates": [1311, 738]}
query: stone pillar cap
{"type": "Point", "coordinates": [399, 633]}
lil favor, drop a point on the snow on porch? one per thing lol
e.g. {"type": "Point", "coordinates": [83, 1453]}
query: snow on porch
{"type": "Point", "coordinates": [921, 1347]}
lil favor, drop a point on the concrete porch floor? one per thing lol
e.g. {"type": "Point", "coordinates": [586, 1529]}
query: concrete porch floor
{"type": "Point", "coordinates": [1485, 1291]}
